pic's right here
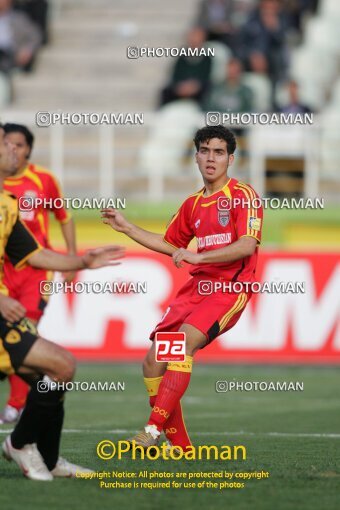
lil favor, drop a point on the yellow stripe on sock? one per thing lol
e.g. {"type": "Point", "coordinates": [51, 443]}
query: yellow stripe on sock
{"type": "Point", "coordinates": [181, 366]}
{"type": "Point", "coordinates": [152, 385]}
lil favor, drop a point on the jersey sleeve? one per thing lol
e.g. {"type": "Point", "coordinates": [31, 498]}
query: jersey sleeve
{"type": "Point", "coordinates": [179, 231]}
{"type": "Point", "coordinates": [56, 196]}
{"type": "Point", "coordinates": [21, 245]}
{"type": "Point", "coordinates": [248, 213]}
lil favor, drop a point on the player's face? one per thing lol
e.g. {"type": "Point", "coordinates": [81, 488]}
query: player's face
{"type": "Point", "coordinates": [8, 157]}
{"type": "Point", "coordinates": [213, 160]}
{"type": "Point", "coordinates": [22, 148]}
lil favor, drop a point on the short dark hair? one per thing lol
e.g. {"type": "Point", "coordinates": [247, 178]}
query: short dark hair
{"type": "Point", "coordinates": [208, 132]}
{"type": "Point", "coordinates": [20, 128]}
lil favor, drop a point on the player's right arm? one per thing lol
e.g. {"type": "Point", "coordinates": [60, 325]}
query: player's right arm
{"type": "Point", "coordinates": [11, 309]}
{"type": "Point", "coordinates": [146, 238]}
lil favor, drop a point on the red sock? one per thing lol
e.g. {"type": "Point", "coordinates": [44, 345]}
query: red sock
{"type": "Point", "coordinates": [175, 429]}
{"type": "Point", "coordinates": [18, 392]}
{"type": "Point", "coordinates": [173, 386]}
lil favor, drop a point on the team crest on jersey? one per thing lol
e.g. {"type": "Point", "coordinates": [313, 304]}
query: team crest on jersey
{"type": "Point", "coordinates": [223, 217]}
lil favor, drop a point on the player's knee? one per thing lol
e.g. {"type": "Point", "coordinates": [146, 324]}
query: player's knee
{"type": "Point", "coordinates": [191, 347]}
{"type": "Point", "coordinates": [149, 364]}
{"type": "Point", "coordinates": [146, 365]}
{"type": "Point", "coordinates": [67, 367]}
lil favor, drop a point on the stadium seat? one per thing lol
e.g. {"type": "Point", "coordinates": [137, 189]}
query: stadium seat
{"type": "Point", "coordinates": [172, 129]}
{"type": "Point", "coordinates": [306, 64]}
{"type": "Point", "coordinates": [312, 93]}
{"type": "Point", "coordinates": [323, 33]}
{"type": "Point", "coordinates": [330, 144]}
{"type": "Point", "coordinates": [5, 90]}
{"type": "Point", "coordinates": [220, 60]}
{"type": "Point", "coordinates": [335, 98]}
{"type": "Point", "coordinates": [329, 9]}
{"type": "Point", "coordinates": [261, 87]}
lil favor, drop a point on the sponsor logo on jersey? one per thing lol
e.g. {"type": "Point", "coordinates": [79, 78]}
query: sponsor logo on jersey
{"type": "Point", "coordinates": [213, 240]}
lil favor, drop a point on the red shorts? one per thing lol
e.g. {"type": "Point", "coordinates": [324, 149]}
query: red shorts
{"type": "Point", "coordinates": [24, 286]}
{"type": "Point", "coordinates": [212, 314]}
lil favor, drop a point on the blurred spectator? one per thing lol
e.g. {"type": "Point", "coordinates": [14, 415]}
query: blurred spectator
{"type": "Point", "coordinates": [296, 10]}
{"type": "Point", "coordinates": [19, 39]}
{"type": "Point", "coordinates": [190, 76]}
{"type": "Point", "coordinates": [37, 10]}
{"type": "Point", "coordinates": [215, 17]}
{"type": "Point", "coordinates": [294, 105]}
{"type": "Point", "coordinates": [231, 95]}
{"type": "Point", "coordinates": [263, 40]}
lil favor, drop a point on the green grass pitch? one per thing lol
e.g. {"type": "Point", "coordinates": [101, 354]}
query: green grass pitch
{"type": "Point", "coordinates": [293, 435]}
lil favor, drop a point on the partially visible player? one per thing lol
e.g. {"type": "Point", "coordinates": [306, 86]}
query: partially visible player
{"type": "Point", "coordinates": [29, 182]}
{"type": "Point", "coordinates": [34, 442]}
{"type": "Point", "coordinates": [228, 231]}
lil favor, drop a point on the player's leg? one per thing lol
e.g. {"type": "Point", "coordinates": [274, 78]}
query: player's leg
{"type": "Point", "coordinates": [33, 358]}
{"type": "Point", "coordinates": [23, 286]}
{"type": "Point", "coordinates": [210, 318]}
{"type": "Point", "coordinates": [42, 419]}
{"type": "Point", "coordinates": [174, 428]}
{"type": "Point", "coordinates": [176, 379]}
{"type": "Point", "coordinates": [171, 388]}
{"type": "Point", "coordinates": [18, 390]}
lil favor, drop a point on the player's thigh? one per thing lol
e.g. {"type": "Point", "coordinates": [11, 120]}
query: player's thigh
{"type": "Point", "coordinates": [22, 348]}
{"type": "Point", "coordinates": [212, 317]}
{"type": "Point", "coordinates": [151, 367]}
{"type": "Point", "coordinates": [49, 358]}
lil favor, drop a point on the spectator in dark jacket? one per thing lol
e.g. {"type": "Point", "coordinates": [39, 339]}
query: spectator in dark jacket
{"type": "Point", "coordinates": [215, 16]}
{"type": "Point", "coordinates": [263, 39]}
{"type": "Point", "coordinates": [190, 75]}
{"type": "Point", "coordinates": [37, 11]}
{"type": "Point", "coordinates": [19, 39]}
{"type": "Point", "coordinates": [294, 104]}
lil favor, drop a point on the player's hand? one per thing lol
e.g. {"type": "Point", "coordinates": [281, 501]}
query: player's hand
{"type": "Point", "coordinates": [182, 255]}
{"type": "Point", "coordinates": [69, 276]}
{"type": "Point", "coordinates": [101, 257]}
{"type": "Point", "coordinates": [115, 219]}
{"type": "Point", "coordinates": [11, 309]}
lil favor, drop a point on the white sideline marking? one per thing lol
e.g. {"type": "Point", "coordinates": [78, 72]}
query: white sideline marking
{"type": "Point", "coordinates": [226, 433]}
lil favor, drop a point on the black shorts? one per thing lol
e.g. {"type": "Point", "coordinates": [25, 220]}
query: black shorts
{"type": "Point", "coordinates": [16, 340]}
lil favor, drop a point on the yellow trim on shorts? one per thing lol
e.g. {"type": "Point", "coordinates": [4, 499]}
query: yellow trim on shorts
{"type": "Point", "coordinates": [5, 361]}
{"type": "Point", "coordinates": [240, 302]}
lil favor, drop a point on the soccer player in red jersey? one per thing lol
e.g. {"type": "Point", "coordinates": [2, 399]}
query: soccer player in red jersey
{"type": "Point", "coordinates": [28, 183]}
{"type": "Point", "coordinates": [227, 228]}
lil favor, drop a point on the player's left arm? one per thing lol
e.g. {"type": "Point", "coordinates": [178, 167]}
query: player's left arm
{"type": "Point", "coordinates": [65, 220]}
{"type": "Point", "coordinates": [69, 235]}
{"type": "Point", "coordinates": [243, 247]}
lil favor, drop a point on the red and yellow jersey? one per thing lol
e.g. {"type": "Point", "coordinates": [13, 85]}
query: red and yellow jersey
{"type": "Point", "coordinates": [218, 221]}
{"type": "Point", "coordinates": [16, 241]}
{"type": "Point", "coordinates": [37, 182]}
